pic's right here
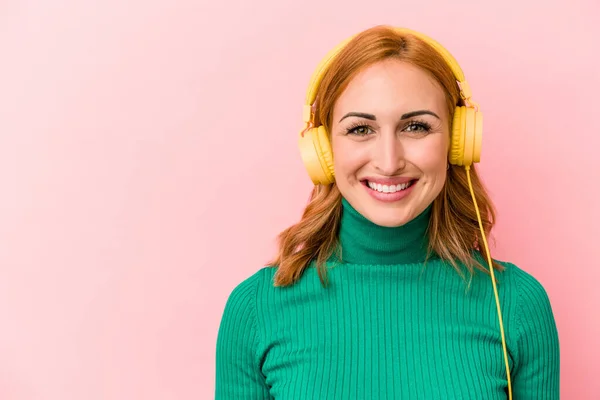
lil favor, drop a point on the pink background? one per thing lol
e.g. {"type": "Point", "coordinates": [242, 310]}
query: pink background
{"type": "Point", "coordinates": [148, 159]}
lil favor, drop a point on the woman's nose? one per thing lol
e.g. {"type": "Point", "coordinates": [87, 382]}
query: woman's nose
{"type": "Point", "coordinates": [388, 154]}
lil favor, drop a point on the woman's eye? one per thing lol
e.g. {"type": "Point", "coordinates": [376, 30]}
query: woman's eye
{"type": "Point", "coordinates": [413, 127]}
{"type": "Point", "coordinates": [418, 127]}
{"type": "Point", "coordinates": [360, 130]}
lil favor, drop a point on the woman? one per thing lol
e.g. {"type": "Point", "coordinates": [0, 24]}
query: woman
{"type": "Point", "coordinates": [382, 290]}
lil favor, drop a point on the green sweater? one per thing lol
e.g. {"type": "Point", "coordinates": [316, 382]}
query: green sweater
{"type": "Point", "coordinates": [386, 328]}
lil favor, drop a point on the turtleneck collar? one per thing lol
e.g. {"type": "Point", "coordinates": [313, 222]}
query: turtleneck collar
{"type": "Point", "coordinates": [363, 242]}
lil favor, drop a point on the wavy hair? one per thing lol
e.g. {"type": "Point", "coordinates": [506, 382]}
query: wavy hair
{"type": "Point", "coordinates": [453, 231]}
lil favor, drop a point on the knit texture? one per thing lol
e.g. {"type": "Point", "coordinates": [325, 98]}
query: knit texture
{"type": "Point", "coordinates": [386, 327]}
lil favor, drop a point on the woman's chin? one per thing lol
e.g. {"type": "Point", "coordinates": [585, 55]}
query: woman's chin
{"type": "Point", "coordinates": [387, 215]}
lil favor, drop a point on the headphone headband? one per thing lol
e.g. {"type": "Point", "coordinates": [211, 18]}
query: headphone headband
{"type": "Point", "coordinates": [317, 76]}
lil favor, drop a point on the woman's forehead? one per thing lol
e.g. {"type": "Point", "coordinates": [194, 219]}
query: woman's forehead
{"type": "Point", "coordinates": [390, 88]}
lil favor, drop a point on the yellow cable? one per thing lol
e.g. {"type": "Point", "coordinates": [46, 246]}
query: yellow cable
{"type": "Point", "coordinates": [489, 259]}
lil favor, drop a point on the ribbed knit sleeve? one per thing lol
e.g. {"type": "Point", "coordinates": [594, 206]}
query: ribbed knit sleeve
{"type": "Point", "coordinates": [238, 376]}
{"type": "Point", "coordinates": [537, 372]}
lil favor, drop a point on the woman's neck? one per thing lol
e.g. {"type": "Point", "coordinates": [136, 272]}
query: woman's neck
{"type": "Point", "coordinates": [364, 242]}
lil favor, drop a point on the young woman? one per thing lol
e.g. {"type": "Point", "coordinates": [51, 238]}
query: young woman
{"type": "Point", "coordinates": [385, 288]}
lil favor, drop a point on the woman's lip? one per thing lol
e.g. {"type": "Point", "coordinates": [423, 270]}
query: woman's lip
{"type": "Point", "coordinates": [389, 197]}
{"type": "Point", "coordinates": [388, 181]}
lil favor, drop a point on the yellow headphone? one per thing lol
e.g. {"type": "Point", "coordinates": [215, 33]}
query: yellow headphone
{"type": "Point", "coordinates": [465, 141]}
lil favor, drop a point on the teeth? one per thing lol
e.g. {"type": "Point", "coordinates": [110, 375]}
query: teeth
{"type": "Point", "coordinates": [388, 188]}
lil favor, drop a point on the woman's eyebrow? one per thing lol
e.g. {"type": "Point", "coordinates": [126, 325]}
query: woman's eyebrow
{"type": "Point", "coordinates": [404, 116]}
{"type": "Point", "coordinates": [419, 112]}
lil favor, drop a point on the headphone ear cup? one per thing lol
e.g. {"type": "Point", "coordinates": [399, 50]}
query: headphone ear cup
{"type": "Point", "coordinates": [316, 153]}
{"type": "Point", "coordinates": [467, 133]}
{"type": "Point", "coordinates": [457, 139]}
{"type": "Point", "coordinates": [478, 139]}
{"type": "Point", "coordinates": [473, 135]}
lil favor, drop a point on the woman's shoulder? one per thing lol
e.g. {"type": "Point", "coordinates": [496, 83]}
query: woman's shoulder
{"type": "Point", "coordinates": [529, 293]}
{"type": "Point", "coordinates": [534, 330]}
{"type": "Point", "coordinates": [514, 276]}
{"type": "Point", "coordinates": [525, 282]}
{"type": "Point", "coordinates": [241, 303]}
{"type": "Point", "coordinates": [246, 288]}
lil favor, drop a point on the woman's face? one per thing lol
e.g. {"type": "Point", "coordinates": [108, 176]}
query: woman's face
{"type": "Point", "coordinates": [390, 142]}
